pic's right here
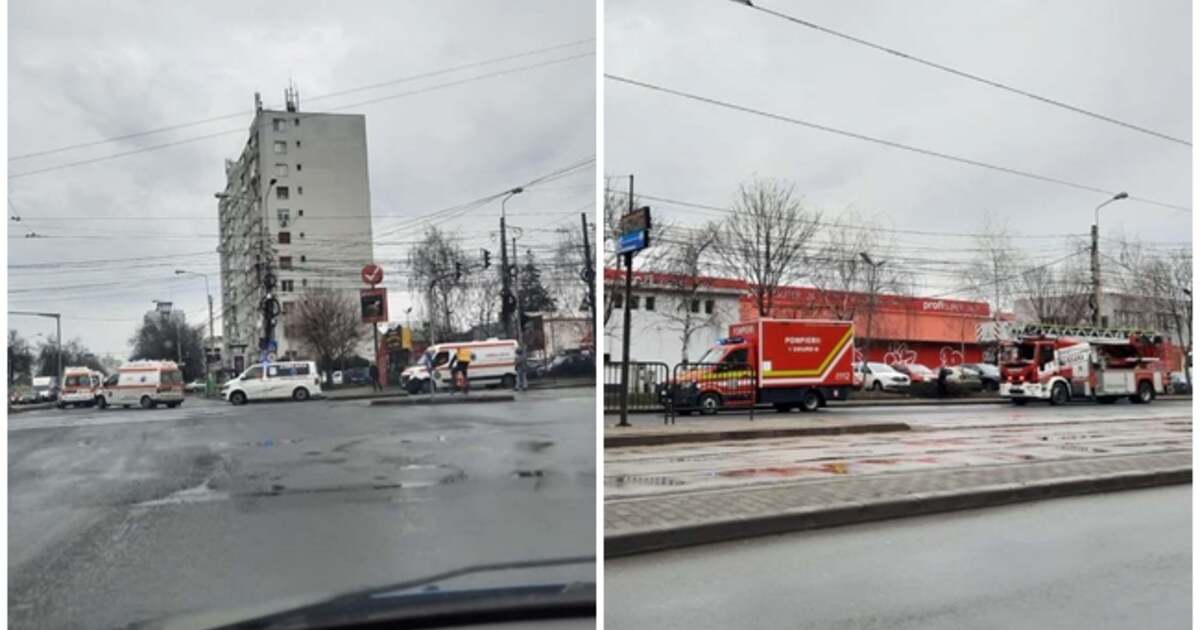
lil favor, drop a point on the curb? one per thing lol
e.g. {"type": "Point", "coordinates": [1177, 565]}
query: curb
{"type": "Point", "coordinates": [35, 407]}
{"type": "Point", "coordinates": [899, 402]}
{"type": "Point", "coordinates": [443, 400]}
{"type": "Point", "coordinates": [647, 541]}
{"type": "Point", "coordinates": [620, 441]}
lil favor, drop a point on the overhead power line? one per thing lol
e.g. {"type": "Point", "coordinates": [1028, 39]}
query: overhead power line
{"type": "Point", "coordinates": [194, 123]}
{"type": "Point", "coordinates": [967, 75]}
{"type": "Point", "coordinates": [888, 143]}
{"type": "Point", "coordinates": [431, 88]}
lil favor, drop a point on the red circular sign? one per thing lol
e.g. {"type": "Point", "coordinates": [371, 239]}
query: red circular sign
{"type": "Point", "coordinates": [372, 274]}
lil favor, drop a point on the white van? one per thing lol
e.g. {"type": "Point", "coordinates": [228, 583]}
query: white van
{"type": "Point", "coordinates": [146, 384]}
{"type": "Point", "coordinates": [298, 380]}
{"type": "Point", "coordinates": [495, 363]}
{"type": "Point", "coordinates": [81, 388]}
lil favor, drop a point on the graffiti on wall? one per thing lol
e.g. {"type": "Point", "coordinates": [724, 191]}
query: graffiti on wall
{"type": "Point", "coordinates": [900, 353]}
{"type": "Point", "coordinates": [950, 357]}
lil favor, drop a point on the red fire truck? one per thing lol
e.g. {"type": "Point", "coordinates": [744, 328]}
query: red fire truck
{"type": "Point", "coordinates": [1058, 363]}
{"type": "Point", "coordinates": [786, 363]}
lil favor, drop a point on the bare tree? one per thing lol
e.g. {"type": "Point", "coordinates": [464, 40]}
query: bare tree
{"type": "Point", "coordinates": [994, 273]}
{"type": "Point", "coordinates": [1158, 289]}
{"type": "Point", "coordinates": [437, 271]}
{"type": "Point", "coordinates": [764, 240]}
{"type": "Point", "coordinates": [1055, 294]}
{"type": "Point", "coordinates": [327, 324]}
{"type": "Point", "coordinates": [481, 304]}
{"type": "Point", "coordinates": [683, 268]}
{"type": "Point", "coordinates": [564, 275]}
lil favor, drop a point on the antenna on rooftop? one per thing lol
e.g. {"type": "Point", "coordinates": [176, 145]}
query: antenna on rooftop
{"type": "Point", "coordinates": [291, 97]}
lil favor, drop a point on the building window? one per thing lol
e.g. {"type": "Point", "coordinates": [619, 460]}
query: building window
{"type": "Point", "coordinates": [279, 124]}
{"type": "Point", "coordinates": [299, 167]}
{"type": "Point", "coordinates": [297, 121]}
{"type": "Point", "coordinates": [649, 302]}
{"type": "Point", "coordinates": [285, 216]}
{"type": "Point", "coordinates": [280, 169]}
{"type": "Point", "coordinates": [285, 262]}
{"type": "Point", "coordinates": [708, 306]}
{"type": "Point", "coordinates": [297, 144]}
{"type": "Point", "coordinates": [303, 258]}
{"type": "Point", "coordinates": [285, 238]}
{"type": "Point", "coordinates": [280, 147]}
{"type": "Point", "coordinates": [299, 190]}
{"type": "Point", "coordinates": [302, 235]}
{"type": "Point", "coordinates": [284, 307]}
{"type": "Point", "coordinates": [303, 282]}
{"type": "Point", "coordinates": [287, 286]}
{"type": "Point", "coordinates": [633, 302]}
{"type": "Point", "coordinates": [299, 213]}
{"type": "Point", "coordinates": [281, 192]}
{"type": "Point", "coordinates": [618, 301]}
{"type": "Point", "coordinates": [695, 306]}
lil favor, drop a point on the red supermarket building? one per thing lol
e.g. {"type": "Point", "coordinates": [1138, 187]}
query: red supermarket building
{"type": "Point", "coordinates": [930, 331]}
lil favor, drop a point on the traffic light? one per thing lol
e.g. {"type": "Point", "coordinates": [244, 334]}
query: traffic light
{"type": "Point", "coordinates": [487, 259]}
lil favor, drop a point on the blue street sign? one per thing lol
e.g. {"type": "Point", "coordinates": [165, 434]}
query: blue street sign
{"type": "Point", "coordinates": [632, 242]}
{"type": "Point", "coordinates": [272, 346]}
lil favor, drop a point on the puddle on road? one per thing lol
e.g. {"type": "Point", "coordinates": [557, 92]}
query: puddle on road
{"type": "Point", "coordinates": [523, 474]}
{"type": "Point", "coordinates": [534, 446]}
{"type": "Point", "coordinates": [269, 443]}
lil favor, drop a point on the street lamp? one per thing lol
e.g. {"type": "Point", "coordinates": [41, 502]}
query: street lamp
{"type": "Point", "coordinates": [212, 337]}
{"type": "Point", "coordinates": [1096, 257]}
{"type": "Point", "coordinates": [871, 307]}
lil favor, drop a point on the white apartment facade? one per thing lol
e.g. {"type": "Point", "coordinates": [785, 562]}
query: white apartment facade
{"type": "Point", "coordinates": [296, 199]}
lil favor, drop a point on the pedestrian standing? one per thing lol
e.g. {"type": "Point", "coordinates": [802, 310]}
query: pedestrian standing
{"type": "Point", "coordinates": [522, 374]}
{"type": "Point", "coordinates": [374, 372]}
{"type": "Point", "coordinates": [462, 361]}
{"type": "Point", "coordinates": [941, 381]}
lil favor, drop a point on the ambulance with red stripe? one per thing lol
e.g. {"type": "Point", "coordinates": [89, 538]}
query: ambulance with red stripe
{"type": "Point", "coordinates": [1058, 365]}
{"type": "Point", "coordinates": [146, 384]}
{"type": "Point", "coordinates": [785, 363]}
{"type": "Point", "coordinates": [495, 363]}
{"type": "Point", "coordinates": [82, 387]}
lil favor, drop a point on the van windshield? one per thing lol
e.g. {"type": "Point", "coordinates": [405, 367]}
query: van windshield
{"type": "Point", "coordinates": [77, 380]}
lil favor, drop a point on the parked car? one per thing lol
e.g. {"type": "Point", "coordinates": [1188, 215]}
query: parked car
{"type": "Point", "coordinates": [572, 364]}
{"type": "Point", "coordinates": [880, 377]}
{"type": "Point", "coordinates": [988, 374]}
{"type": "Point", "coordinates": [45, 388]}
{"type": "Point", "coordinates": [1179, 383]}
{"type": "Point", "coordinates": [197, 385]}
{"type": "Point", "coordinates": [916, 372]}
{"type": "Point", "coordinates": [298, 380]}
{"type": "Point", "coordinates": [357, 376]}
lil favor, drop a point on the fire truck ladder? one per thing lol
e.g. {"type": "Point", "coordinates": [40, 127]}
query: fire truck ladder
{"type": "Point", "coordinates": [1084, 333]}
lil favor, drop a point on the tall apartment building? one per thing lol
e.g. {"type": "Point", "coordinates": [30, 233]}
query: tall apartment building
{"type": "Point", "coordinates": [297, 199]}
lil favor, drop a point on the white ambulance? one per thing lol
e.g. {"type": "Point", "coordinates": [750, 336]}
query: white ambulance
{"type": "Point", "coordinates": [147, 384]}
{"type": "Point", "coordinates": [495, 363]}
{"type": "Point", "coordinates": [82, 387]}
{"type": "Point", "coordinates": [298, 380]}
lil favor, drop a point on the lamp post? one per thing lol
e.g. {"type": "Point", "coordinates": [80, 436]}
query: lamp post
{"type": "Point", "coordinates": [871, 306]}
{"type": "Point", "coordinates": [212, 337]}
{"type": "Point", "coordinates": [1096, 299]}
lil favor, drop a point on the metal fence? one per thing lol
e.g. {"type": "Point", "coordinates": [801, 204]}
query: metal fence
{"type": "Point", "coordinates": [647, 379]}
{"type": "Point", "coordinates": [709, 388]}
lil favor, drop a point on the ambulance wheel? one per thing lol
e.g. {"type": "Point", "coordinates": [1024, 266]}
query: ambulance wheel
{"type": "Point", "coordinates": [1145, 393]}
{"type": "Point", "coordinates": [508, 382]}
{"type": "Point", "coordinates": [709, 403]}
{"type": "Point", "coordinates": [148, 402]}
{"type": "Point", "coordinates": [1059, 395]}
{"type": "Point", "coordinates": [811, 401]}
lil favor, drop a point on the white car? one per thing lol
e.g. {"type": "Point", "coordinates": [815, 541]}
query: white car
{"type": "Point", "coordinates": [879, 377]}
{"type": "Point", "coordinates": [297, 380]}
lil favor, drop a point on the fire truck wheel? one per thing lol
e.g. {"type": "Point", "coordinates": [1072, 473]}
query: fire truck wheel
{"type": "Point", "coordinates": [1059, 395]}
{"type": "Point", "coordinates": [1145, 393]}
{"type": "Point", "coordinates": [811, 401]}
{"type": "Point", "coordinates": [709, 403]}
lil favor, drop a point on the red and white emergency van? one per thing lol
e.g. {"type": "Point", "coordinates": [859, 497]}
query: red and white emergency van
{"type": "Point", "coordinates": [82, 387]}
{"type": "Point", "coordinates": [1054, 364]}
{"type": "Point", "coordinates": [495, 363]}
{"type": "Point", "coordinates": [146, 384]}
{"type": "Point", "coordinates": [786, 363]}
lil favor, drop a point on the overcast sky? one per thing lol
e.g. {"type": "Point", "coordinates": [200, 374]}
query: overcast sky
{"type": "Point", "coordinates": [84, 72]}
{"type": "Point", "coordinates": [1130, 61]}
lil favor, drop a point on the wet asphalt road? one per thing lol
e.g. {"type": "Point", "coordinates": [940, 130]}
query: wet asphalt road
{"type": "Point", "coordinates": [1100, 562]}
{"type": "Point", "coordinates": [119, 516]}
{"type": "Point", "coordinates": [941, 437]}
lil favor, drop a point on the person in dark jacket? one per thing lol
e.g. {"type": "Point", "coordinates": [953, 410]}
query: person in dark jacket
{"type": "Point", "coordinates": [943, 373]}
{"type": "Point", "coordinates": [374, 372]}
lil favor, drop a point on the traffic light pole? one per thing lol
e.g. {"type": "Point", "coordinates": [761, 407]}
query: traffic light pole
{"type": "Point", "coordinates": [627, 323]}
{"type": "Point", "coordinates": [589, 277]}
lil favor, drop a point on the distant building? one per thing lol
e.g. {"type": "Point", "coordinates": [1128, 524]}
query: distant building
{"type": "Point", "coordinates": [297, 198]}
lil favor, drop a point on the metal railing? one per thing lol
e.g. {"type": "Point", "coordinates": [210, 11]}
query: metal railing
{"type": "Point", "coordinates": [709, 388]}
{"type": "Point", "coordinates": [646, 380]}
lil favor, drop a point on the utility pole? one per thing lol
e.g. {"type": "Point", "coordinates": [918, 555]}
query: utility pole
{"type": "Point", "coordinates": [517, 292]}
{"type": "Point", "coordinates": [269, 305]}
{"type": "Point", "coordinates": [872, 280]}
{"type": "Point", "coordinates": [627, 323]}
{"type": "Point", "coordinates": [589, 277]}
{"type": "Point", "coordinates": [1096, 294]}
{"type": "Point", "coordinates": [506, 299]}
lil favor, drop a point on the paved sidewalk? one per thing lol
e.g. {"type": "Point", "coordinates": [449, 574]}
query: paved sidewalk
{"type": "Point", "coordinates": [720, 429]}
{"type": "Point", "coordinates": [666, 521]}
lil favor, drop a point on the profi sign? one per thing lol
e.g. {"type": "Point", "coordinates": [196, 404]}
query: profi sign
{"type": "Point", "coordinates": [374, 305]}
{"type": "Point", "coordinates": [372, 274]}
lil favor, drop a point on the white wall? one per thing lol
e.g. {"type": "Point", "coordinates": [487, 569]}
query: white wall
{"type": "Point", "coordinates": [656, 337]}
